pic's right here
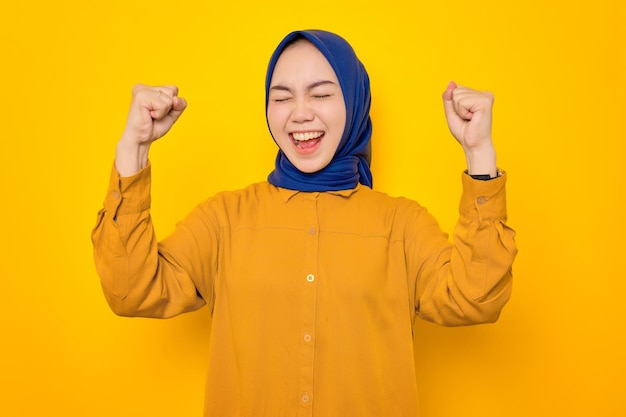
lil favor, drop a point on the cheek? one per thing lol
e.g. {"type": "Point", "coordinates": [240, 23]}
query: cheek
{"type": "Point", "coordinates": [336, 118]}
{"type": "Point", "coordinates": [275, 118]}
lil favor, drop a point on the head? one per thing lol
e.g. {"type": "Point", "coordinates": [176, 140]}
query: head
{"type": "Point", "coordinates": [317, 102]}
{"type": "Point", "coordinates": [306, 112]}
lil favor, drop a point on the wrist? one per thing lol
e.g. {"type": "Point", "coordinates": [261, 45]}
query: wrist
{"type": "Point", "coordinates": [130, 156]}
{"type": "Point", "coordinates": [481, 161]}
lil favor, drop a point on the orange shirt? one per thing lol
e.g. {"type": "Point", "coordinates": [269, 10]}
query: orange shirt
{"type": "Point", "coordinates": [313, 295]}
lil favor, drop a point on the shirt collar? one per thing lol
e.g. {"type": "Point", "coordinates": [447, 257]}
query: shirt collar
{"type": "Point", "coordinates": [287, 194]}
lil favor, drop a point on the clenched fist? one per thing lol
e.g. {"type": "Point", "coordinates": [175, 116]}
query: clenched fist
{"type": "Point", "coordinates": [153, 111]}
{"type": "Point", "coordinates": [469, 116]}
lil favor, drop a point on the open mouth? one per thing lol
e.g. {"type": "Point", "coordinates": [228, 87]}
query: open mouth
{"type": "Point", "coordinates": [306, 140]}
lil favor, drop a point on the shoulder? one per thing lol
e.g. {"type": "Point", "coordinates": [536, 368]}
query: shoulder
{"type": "Point", "coordinates": [377, 206]}
{"type": "Point", "coordinates": [367, 196]}
{"type": "Point", "coordinates": [231, 207]}
{"type": "Point", "coordinates": [248, 200]}
{"type": "Point", "coordinates": [252, 193]}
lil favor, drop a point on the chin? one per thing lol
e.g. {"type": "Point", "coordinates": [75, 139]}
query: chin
{"type": "Point", "coordinates": [309, 168]}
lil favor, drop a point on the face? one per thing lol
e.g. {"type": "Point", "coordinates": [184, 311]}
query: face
{"type": "Point", "coordinates": [306, 111]}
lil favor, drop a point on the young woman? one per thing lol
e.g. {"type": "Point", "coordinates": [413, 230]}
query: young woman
{"type": "Point", "coordinates": [313, 279]}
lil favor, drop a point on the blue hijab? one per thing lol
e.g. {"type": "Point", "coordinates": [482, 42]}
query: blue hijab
{"type": "Point", "coordinates": [351, 163]}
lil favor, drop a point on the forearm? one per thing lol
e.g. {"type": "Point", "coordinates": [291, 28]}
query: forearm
{"type": "Point", "coordinates": [480, 278]}
{"type": "Point", "coordinates": [136, 279]}
{"type": "Point", "coordinates": [470, 281]}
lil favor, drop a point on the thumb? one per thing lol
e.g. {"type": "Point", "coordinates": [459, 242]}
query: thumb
{"type": "Point", "coordinates": [448, 104]}
{"type": "Point", "coordinates": [179, 105]}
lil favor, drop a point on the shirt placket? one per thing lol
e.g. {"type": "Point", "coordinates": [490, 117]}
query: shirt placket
{"type": "Point", "coordinates": [309, 283]}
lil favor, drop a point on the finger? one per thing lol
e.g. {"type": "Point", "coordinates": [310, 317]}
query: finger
{"type": "Point", "coordinates": [164, 124]}
{"type": "Point", "coordinates": [149, 92]}
{"type": "Point", "coordinates": [169, 100]}
{"type": "Point", "coordinates": [161, 103]}
{"type": "Point", "coordinates": [463, 107]}
{"type": "Point", "coordinates": [164, 93]}
{"type": "Point", "coordinates": [471, 102]}
{"type": "Point", "coordinates": [170, 90]}
{"type": "Point", "coordinates": [158, 113]}
{"type": "Point", "coordinates": [466, 102]}
{"type": "Point", "coordinates": [156, 100]}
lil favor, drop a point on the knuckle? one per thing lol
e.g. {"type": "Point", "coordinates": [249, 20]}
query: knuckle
{"type": "Point", "coordinates": [137, 88]}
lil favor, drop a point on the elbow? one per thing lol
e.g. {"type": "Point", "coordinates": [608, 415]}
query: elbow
{"type": "Point", "coordinates": [485, 311]}
{"type": "Point", "coordinates": [486, 307]}
{"type": "Point", "coordinates": [473, 317]}
{"type": "Point", "coordinates": [121, 307]}
{"type": "Point", "coordinates": [158, 308]}
{"type": "Point", "coordinates": [482, 315]}
{"type": "Point", "coordinates": [457, 312]}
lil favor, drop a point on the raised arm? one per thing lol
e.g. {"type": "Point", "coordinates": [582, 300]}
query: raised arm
{"type": "Point", "coordinates": [470, 281]}
{"type": "Point", "coordinates": [138, 279]}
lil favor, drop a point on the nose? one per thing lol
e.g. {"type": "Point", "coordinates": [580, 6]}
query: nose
{"type": "Point", "coordinates": [302, 111]}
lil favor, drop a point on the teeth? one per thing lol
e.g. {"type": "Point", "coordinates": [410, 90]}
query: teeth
{"type": "Point", "coordinates": [306, 135]}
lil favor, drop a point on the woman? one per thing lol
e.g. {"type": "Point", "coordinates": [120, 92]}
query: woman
{"type": "Point", "coordinates": [313, 279]}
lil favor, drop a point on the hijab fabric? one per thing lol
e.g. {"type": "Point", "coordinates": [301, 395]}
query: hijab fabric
{"type": "Point", "coordinates": [351, 163]}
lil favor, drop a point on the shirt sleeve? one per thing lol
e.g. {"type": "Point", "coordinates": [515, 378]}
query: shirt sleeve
{"type": "Point", "coordinates": [137, 279]}
{"type": "Point", "coordinates": [469, 281]}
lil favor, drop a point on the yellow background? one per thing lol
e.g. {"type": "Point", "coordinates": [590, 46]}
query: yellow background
{"type": "Point", "coordinates": [557, 70]}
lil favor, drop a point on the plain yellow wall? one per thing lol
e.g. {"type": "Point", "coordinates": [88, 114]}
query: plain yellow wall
{"type": "Point", "coordinates": [558, 73]}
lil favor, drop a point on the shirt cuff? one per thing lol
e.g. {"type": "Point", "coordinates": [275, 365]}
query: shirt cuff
{"type": "Point", "coordinates": [128, 194]}
{"type": "Point", "coordinates": [485, 200]}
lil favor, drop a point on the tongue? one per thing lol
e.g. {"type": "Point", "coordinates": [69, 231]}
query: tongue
{"type": "Point", "coordinates": [306, 144]}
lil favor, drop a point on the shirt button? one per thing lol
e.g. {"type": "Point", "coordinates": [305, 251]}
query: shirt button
{"type": "Point", "coordinates": [116, 195]}
{"type": "Point", "coordinates": [310, 278]}
{"type": "Point", "coordinates": [312, 231]}
{"type": "Point", "coordinates": [307, 337]}
{"type": "Point", "coordinates": [305, 397]}
{"type": "Point", "coordinates": [481, 200]}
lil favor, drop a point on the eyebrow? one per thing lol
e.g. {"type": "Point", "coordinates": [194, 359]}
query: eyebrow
{"type": "Point", "coordinates": [309, 87]}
